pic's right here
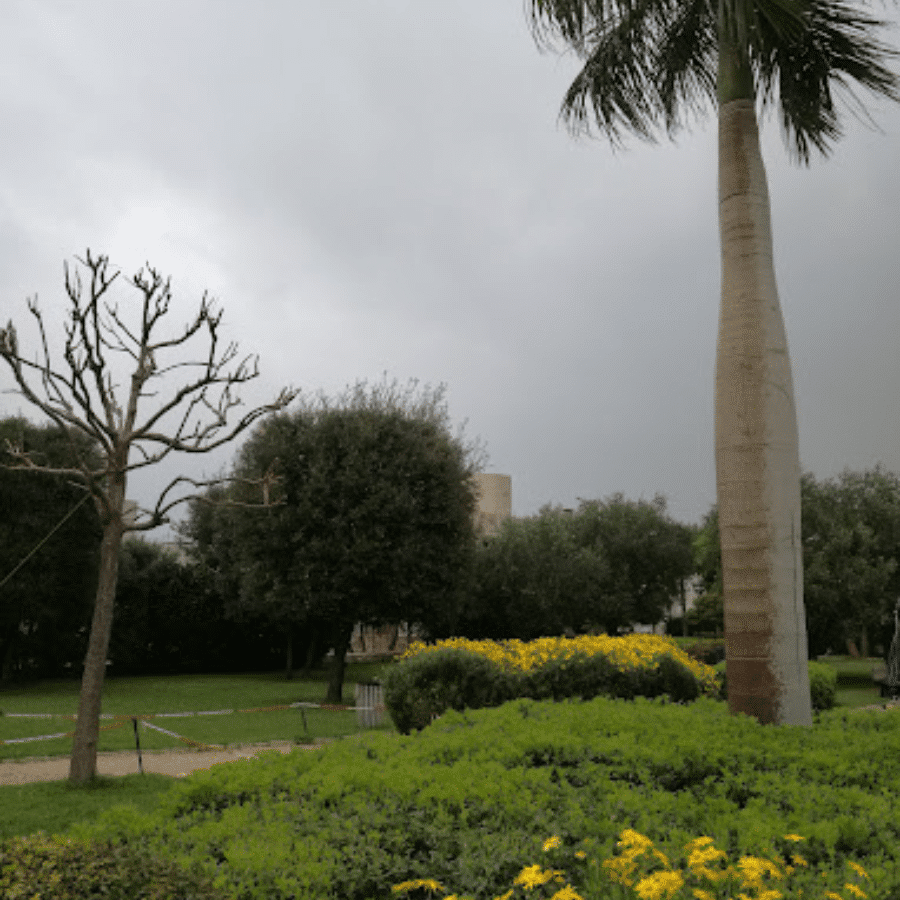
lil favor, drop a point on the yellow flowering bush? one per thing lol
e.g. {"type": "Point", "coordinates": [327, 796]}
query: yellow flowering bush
{"type": "Point", "coordinates": [465, 674]}
{"type": "Point", "coordinates": [633, 651]}
{"type": "Point", "coordinates": [638, 870]}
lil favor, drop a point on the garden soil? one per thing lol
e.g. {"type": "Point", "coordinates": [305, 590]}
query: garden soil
{"type": "Point", "coordinates": [166, 762]}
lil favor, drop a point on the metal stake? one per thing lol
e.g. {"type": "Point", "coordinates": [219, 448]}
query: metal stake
{"type": "Point", "coordinates": [137, 743]}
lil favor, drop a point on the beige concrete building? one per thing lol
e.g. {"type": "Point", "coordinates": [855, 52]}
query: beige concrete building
{"type": "Point", "coordinates": [494, 501]}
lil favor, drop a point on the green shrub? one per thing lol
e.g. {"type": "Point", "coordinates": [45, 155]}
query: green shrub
{"type": "Point", "coordinates": [421, 688]}
{"type": "Point", "coordinates": [822, 686]}
{"type": "Point", "coordinates": [38, 867]}
{"type": "Point", "coordinates": [471, 799]}
{"type": "Point", "coordinates": [586, 677]}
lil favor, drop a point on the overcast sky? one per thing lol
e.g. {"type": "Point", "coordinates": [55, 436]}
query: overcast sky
{"type": "Point", "coordinates": [373, 187]}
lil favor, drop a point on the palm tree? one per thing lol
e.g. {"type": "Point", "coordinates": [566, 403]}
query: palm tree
{"type": "Point", "coordinates": [651, 63]}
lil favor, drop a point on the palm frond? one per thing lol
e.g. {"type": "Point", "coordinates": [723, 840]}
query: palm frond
{"type": "Point", "coordinates": [836, 48]}
{"type": "Point", "coordinates": [652, 63]}
{"type": "Point", "coordinates": [645, 62]}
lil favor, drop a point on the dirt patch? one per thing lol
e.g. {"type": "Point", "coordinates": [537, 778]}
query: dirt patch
{"type": "Point", "coordinates": [165, 762]}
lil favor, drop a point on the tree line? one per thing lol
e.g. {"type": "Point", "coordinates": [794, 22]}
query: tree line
{"type": "Point", "coordinates": [370, 521]}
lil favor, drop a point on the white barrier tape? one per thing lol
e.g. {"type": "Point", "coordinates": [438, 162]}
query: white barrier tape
{"type": "Point", "coordinates": [180, 737]}
{"type": "Point", "coordinates": [185, 715]}
{"type": "Point", "coordinates": [40, 737]}
{"type": "Point", "coordinates": [58, 716]}
{"type": "Point", "coordinates": [37, 715]}
{"type": "Point", "coordinates": [163, 730]}
{"type": "Point", "coordinates": [331, 706]}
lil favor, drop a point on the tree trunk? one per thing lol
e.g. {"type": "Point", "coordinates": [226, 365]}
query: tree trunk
{"type": "Point", "coordinates": [289, 653]}
{"type": "Point", "coordinates": [757, 458]}
{"type": "Point", "coordinates": [335, 694]}
{"type": "Point", "coordinates": [83, 764]}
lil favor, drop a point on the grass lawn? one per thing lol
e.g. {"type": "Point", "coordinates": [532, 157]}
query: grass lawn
{"type": "Point", "coordinates": [54, 806]}
{"type": "Point", "coordinates": [253, 694]}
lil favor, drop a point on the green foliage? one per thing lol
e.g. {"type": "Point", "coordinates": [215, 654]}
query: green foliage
{"type": "Point", "coordinates": [648, 554]}
{"type": "Point", "coordinates": [534, 578]}
{"type": "Point", "coordinates": [46, 604]}
{"type": "Point", "coordinates": [473, 796]}
{"type": "Point", "coordinates": [851, 557]}
{"type": "Point", "coordinates": [608, 565]}
{"type": "Point", "coordinates": [39, 867]}
{"type": "Point", "coordinates": [822, 686]}
{"type": "Point", "coordinates": [169, 620]}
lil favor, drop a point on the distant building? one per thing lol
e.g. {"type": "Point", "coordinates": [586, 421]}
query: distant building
{"type": "Point", "coordinates": [494, 502]}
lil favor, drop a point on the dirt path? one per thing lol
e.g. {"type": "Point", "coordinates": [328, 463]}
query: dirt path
{"type": "Point", "coordinates": [166, 762]}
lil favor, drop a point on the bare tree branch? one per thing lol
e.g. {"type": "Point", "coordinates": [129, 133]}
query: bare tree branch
{"type": "Point", "coordinates": [84, 396]}
{"type": "Point", "coordinates": [159, 514]}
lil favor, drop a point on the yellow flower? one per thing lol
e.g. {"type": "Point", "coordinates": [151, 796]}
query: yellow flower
{"type": "Point", "coordinates": [552, 843]}
{"type": "Point", "coordinates": [793, 837]}
{"type": "Point", "coordinates": [659, 886]}
{"type": "Point", "coordinates": [700, 894]}
{"type": "Point", "coordinates": [505, 896]}
{"type": "Point", "coordinates": [702, 855]}
{"type": "Point", "coordinates": [858, 869]}
{"type": "Point", "coordinates": [535, 876]}
{"type": "Point", "coordinates": [567, 893]}
{"type": "Point", "coordinates": [634, 841]}
{"type": "Point", "coordinates": [754, 869]}
{"type": "Point", "coordinates": [856, 891]}
{"type": "Point", "coordinates": [620, 869]}
{"type": "Point", "coordinates": [580, 854]}
{"type": "Point", "coordinates": [697, 843]}
{"type": "Point", "coordinates": [428, 883]}
{"type": "Point", "coordinates": [831, 895]}
{"type": "Point", "coordinates": [798, 860]}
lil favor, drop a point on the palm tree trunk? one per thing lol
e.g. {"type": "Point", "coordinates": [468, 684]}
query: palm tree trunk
{"type": "Point", "coordinates": [757, 458]}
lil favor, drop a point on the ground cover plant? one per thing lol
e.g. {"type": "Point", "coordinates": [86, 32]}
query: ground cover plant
{"type": "Point", "coordinates": [469, 802]}
{"type": "Point", "coordinates": [465, 674]}
{"type": "Point", "coordinates": [126, 697]}
{"type": "Point", "coordinates": [39, 867]}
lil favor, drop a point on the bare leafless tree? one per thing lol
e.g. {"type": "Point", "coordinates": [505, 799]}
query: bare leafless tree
{"type": "Point", "coordinates": [80, 393]}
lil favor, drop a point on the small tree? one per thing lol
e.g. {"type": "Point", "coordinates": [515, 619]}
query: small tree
{"type": "Point", "coordinates": [375, 523]}
{"type": "Point", "coordinates": [82, 394]}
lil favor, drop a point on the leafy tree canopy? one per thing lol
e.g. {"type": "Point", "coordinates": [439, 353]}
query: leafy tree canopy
{"type": "Point", "coordinates": [374, 515]}
{"type": "Point", "coordinates": [609, 565]}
